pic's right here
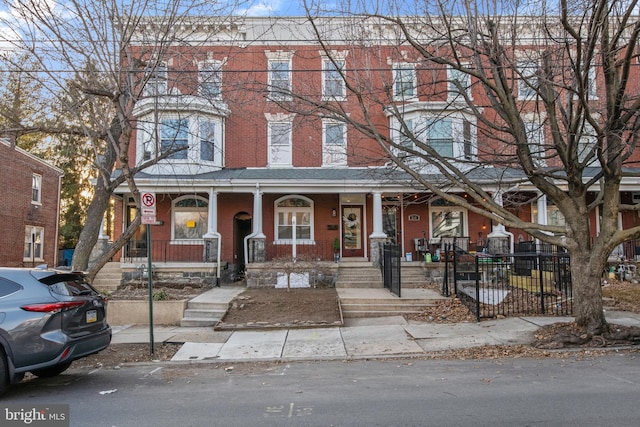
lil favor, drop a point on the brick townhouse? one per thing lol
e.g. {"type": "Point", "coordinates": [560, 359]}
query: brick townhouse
{"type": "Point", "coordinates": [256, 181]}
{"type": "Point", "coordinates": [29, 208]}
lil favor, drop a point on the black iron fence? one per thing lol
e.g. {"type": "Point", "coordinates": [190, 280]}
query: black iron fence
{"type": "Point", "coordinates": [391, 268]}
{"type": "Point", "coordinates": [163, 251]}
{"type": "Point", "coordinates": [535, 280]}
{"type": "Point", "coordinates": [318, 250]}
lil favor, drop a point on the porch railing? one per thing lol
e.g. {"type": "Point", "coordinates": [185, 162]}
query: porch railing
{"type": "Point", "coordinates": [163, 251]}
{"type": "Point", "coordinates": [318, 250]}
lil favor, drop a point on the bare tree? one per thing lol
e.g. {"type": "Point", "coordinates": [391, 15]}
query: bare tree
{"type": "Point", "coordinates": [95, 60]}
{"type": "Point", "coordinates": [549, 92]}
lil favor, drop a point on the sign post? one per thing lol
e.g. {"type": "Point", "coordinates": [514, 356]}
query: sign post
{"type": "Point", "coordinates": [148, 218]}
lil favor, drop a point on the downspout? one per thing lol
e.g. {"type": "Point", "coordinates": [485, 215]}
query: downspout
{"type": "Point", "coordinates": [212, 229]}
{"type": "Point", "coordinates": [257, 223]}
{"type": "Point", "coordinates": [57, 239]}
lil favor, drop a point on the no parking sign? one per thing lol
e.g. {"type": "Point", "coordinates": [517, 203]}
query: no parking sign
{"type": "Point", "coordinates": [148, 202]}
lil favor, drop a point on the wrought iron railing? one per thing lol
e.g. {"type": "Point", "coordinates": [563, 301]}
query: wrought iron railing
{"type": "Point", "coordinates": [317, 250]}
{"type": "Point", "coordinates": [163, 251]}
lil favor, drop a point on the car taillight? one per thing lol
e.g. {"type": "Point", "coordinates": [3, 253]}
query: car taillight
{"type": "Point", "coordinates": [52, 307]}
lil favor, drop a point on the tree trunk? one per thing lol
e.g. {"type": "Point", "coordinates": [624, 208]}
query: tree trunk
{"type": "Point", "coordinates": [587, 292]}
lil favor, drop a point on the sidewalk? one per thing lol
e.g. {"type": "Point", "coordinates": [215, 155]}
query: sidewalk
{"type": "Point", "coordinates": [358, 338]}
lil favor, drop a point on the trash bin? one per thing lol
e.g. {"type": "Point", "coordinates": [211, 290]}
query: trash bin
{"type": "Point", "coordinates": [408, 256]}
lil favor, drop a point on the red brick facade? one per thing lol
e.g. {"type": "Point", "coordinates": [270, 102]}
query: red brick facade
{"type": "Point", "coordinates": [18, 211]}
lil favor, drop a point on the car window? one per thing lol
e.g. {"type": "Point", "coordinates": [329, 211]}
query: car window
{"type": "Point", "coordinates": [7, 287]}
{"type": "Point", "coordinates": [68, 284]}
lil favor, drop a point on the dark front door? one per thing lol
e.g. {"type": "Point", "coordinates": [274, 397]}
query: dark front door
{"type": "Point", "coordinates": [352, 232]}
{"type": "Point", "coordinates": [241, 229]}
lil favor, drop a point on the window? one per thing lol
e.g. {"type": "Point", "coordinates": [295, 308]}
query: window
{"type": "Point", "coordinates": [447, 220]}
{"type": "Point", "coordinates": [458, 83]}
{"type": "Point", "coordinates": [280, 144]}
{"type": "Point", "coordinates": [335, 144]}
{"type": "Point", "coordinates": [467, 140]}
{"type": "Point", "coordinates": [190, 216]}
{"type": "Point", "coordinates": [535, 139]}
{"type": "Point", "coordinates": [156, 81]}
{"type": "Point", "coordinates": [288, 208]}
{"type": "Point", "coordinates": [528, 81]}
{"type": "Point", "coordinates": [33, 243]}
{"type": "Point", "coordinates": [210, 79]}
{"type": "Point", "coordinates": [279, 79]}
{"type": "Point", "coordinates": [333, 85]}
{"type": "Point", "coordinates": [587, 142]}
{"type": "Point", "coordinates": [174, 136]}
{"type": "Point", "coordinates": [440, 136]}
{"type": "Point", "coordinates": [404, 77]}
{"type": "Point", "coordinates": [208, 147]}
{"type": "Point", "coordinates": [36, 189]}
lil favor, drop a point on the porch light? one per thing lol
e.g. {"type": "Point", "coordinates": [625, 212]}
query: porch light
{"type": "Point", "coordinates": [334, 213]}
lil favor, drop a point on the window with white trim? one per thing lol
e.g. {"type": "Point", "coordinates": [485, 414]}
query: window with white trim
{"type": "Point", "coordinates": [527, 79]}
{"type": "Point", "coordinates": [459, 83]}
{"type": "Point", "coordinates": [404, 81]}
{"type": "Point", "coordinates": [33, 243]}
{"type": "Point", "coordinates": [196, 139]}
{"type": "Point", "coordinates": [174, 137]}
{"type": "Point", "coordinates": [156, 81]}
{"type": "Point", "coordinates": [334, 143]}
{"type": "Point", "coordinates": [279, 79]}
{"type": "Point", "coordinates": [447, 220]}
{"type": "Point", "coordinates": [36, 188]}
{"type": "Point", "coordinates": [189, 218]}
{"type": "Point", "coordinates": [440, 136]}
{"type": "Point", "coordinates": [535, 138]}
{"type": "Point", "coordinates": [280, 153]}
{"type": "Point", "coordinates": [333, 84]}
{"type": "Point", "coordinates": [286, 209]}
{"type": "Point", "coordinates": [210, 79]}
{"type": "Point", "coordinates": [587, 143]}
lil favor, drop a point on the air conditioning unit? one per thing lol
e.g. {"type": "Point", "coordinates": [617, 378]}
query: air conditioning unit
{"type": "Point", "coordinates": [635, 197]}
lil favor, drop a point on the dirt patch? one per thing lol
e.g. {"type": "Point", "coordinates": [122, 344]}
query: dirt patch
{"type": "Point", "coordinates": [164, 292]}
{"type": "Point", "coordinates": [444, 311]}
{"type": "Point", "coordinates": [271, 307]}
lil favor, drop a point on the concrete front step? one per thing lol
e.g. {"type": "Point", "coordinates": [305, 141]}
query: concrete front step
{"type": "Point", "coordinates": [197, 322]}
{"type": "Point", "coordinates": [375, 302]}
{"type": "Point", "coordinates": [207, 309]}
{"type": "Point", "coordinates": [191, 313]}
{"type": "Point", "coordinates": [108, 278]}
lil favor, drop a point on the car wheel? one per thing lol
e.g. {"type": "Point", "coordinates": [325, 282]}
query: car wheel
{"type": "Point", "coordinates": [52, 371]}
{"type": "Point", "coordinates": [4, 372]}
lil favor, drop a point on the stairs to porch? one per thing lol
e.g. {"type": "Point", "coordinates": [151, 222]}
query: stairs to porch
{"type": "Point", "coordinates": [108, 278]}
{"type": "Point", "coordinates": [361, 290]}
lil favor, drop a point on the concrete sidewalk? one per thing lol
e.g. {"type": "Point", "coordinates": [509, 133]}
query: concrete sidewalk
{"type": "Point", "coordinates": [358, 338]}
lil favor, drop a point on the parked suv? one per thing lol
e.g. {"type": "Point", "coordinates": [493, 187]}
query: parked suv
{"type": "Point", "coordinates": [48, 319]}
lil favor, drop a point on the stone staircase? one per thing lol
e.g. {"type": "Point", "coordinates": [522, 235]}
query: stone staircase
{"type": "Point", "coordinates": [108, 278]}
{"type": "Point", "coordinates": [362, 294]}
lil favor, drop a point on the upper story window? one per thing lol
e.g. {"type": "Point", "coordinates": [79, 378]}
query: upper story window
{"type": "Point", "coordinates": [36, 189]}
{"type": "Point", "coordinates": [210, 79]}
{"type": "Point", "coordinates": [404, 81]}
{"type": "Point", "coordinates": [174, 137]}
{"type": "Point", "coordinates": [33, 243]}
{"type": "Point", "coordinates": [189, 216]}
{"type": "Point", "coordinates": [280, 152]}
{"type": "Point", "coordinates": [528, 79]}
{"type": "Point", "coordinates": [191, 139]}
{"type": "Point", "coordinates": [535, 138]}
{"type": "Point", "coordinates": [459, 84]}
{"type": "Point", "coordinates": [293, 213]}
{"type": "Point", "coordinates": [587, 143]}
{"type": "Point", "coordinates": [452, 137]}
{"type": "Point", "coordinates": [333, 84]}
{"type": "Point", "coordinates": [279, 79]}
{"type": "Point", "coordinates": [440, 136]}
{"type": "Point", "coordinates": [156, 81]}
{"type": "Point", "coordinates": [334, 143]}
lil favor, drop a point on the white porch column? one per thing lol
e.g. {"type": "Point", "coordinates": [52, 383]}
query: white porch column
{"type": "Point", "coordinates": [377, 232]}
{"type": "Point", "coordinates": [212, 221]}
{"type": "Point", "coordinates": [542, 209]}
{"type": "Point", "coordinates": [257, 214]}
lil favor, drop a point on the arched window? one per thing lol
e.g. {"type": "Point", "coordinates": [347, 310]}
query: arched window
{"type": "Point", "coordinates": [287, 208]}
{"type": "Point", "coordinates": [189, 216]}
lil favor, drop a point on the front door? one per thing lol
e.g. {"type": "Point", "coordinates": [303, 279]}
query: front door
{"type": "Point", "coordinates": [352, 234]}
{"type": "Point", "coordinates": [390, 221]}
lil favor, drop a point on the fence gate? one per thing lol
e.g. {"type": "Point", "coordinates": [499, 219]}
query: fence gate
{"type": "Point", "coordinates": [391, 267]}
